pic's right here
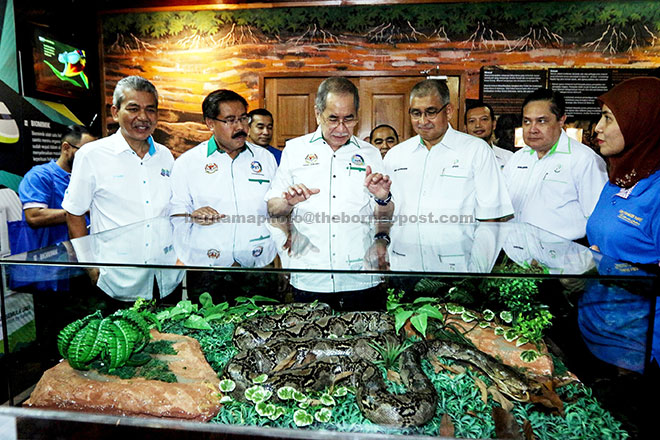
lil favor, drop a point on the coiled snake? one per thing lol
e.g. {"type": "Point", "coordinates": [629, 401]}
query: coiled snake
{"type": "Point", "coordinates": [309, 347]}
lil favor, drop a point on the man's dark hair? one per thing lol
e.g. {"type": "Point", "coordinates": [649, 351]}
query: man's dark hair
{"type": "Point", "coordinates": [260, 112]}
{"type": "Point", "coordinates": [73, 134]}
{"type": "Point", "coordinates": [430, 86]}
{"type": "Point", "coordinates": [371, 135]}
{"type": "Point", "coordinates": [211, 104]}
{"type": "Point", "coordinates": [478, 104]}
{"type": "Point", "coordinates": [337, 85]}
{"type": "Point", "coordinates": [556, 100]}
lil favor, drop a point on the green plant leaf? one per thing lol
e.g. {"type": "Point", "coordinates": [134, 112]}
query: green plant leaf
{"type": "Point", "coordinates": [205, 300]}
{"type": "Point", "coordinates": [197, 322]}
{"type": "Point", "coordinates": [400, 318]}
{"type": "Point", "coordinates": [431, 311]}
{"type": "Point", "coordinates": [227, 385]}
{"type": "Point", "coordinates": [419, 322]}
{"type": "Point", "coordinates": [302, 418]}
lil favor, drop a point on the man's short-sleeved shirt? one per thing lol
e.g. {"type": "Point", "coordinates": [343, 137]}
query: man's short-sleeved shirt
{"type": "Point", "coordinates": [43, 187]}
{"type": "Point", "coordinates": [501, 155]}
{"type": "Point", "coordinates": [459, 176]}
{"type": "Point", "coordinates": [558, 192]}
{"type": "Point", "coordinates": [117, 186]}
{"type": "Point", "coordinates": [340, 206]}
{"type": "Point", "coordinates": [208, 176]}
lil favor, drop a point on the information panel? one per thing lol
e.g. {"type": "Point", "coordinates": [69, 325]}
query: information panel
{"type": "Point", "coordinates": [505, 90]}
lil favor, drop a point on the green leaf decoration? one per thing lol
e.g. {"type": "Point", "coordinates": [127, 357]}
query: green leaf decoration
{"type": "Point", "coordinates": [265, 409]}
{"type": "Point", "coordinates": [430, 311]}
{"type": "Point", "coordinates": [227, 385]}
{"type": "Point", "coordinates": [340, 391]}
{"type": "Point", "coordinates": [499, 331]}
{"type": "Point", "coordinates": [285, 393]}
{"type": "Point", "coordinates": [260, 379]}
{"type": "Point", "coordinates": [488, 315]}
{"type": "Point", "coordinates": [257, 394]}
{"type": "Point", "coordinates": [400, 318]}
{"type": "Point", "coordinates": [205, 300]}
{"type": "Point", "coordinates": [425, 299]}
{"type": "Point", "coordinates": [529, 355]}
{"type": "Point", "coordinates": [327, 400]}
{"type": "Point", "coordinates": [302, 418]}
{"type": "Point", "coordinates": [419, 322]}
{"type": "Point", "coordinates": [79, 350]}
{"type": "Point", "coordinates": [454, 309]}
{"type": "Point", "coordinates": [468, 316]}
{"type": "Point", "coordinates": [67, 334]}
{"type": "Point", "coordinates": [324, 415]}
{"type": "Point", "coordinates": [226, 399]}
{"type": "Point", "coordinates": [506, 316]}
{"type": "Point", "coordinates": [279, 411]}
{"type": "Point", "coordinates": [196, 322]}
{"type": "Point", "coordinates": [299, 397]}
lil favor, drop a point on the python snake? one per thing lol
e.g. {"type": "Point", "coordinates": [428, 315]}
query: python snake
{"type": "Point", "coordinates": [309, 347]}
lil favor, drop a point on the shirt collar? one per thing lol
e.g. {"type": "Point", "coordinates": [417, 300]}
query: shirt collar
{"type": "Point", "coordinates": [212, 147]}
{"type": "Point", "coordinates": [122, 145]}
{"type": "Point", "coordinates": [562, 146]}
{"type": "Point", "coordinates": [318, 136]}
{"type": "Point", "coordinates": [448, 140]}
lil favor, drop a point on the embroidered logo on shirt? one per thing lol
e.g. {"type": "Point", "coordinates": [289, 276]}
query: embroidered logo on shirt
{"type": "Point", "coordinates": [213, 253]}
{"type": "Point", "coordinates": [455, 164]}
{"type": "Point", "coordinates": [630, 217]}
{"type": "Point", "coordinates": [164, 172]}
{"type": "Point", "coordinates": [400, 169]}
{"type": "Point", "coordinates": [558, 168]}
{"type": "Point", "coordinates": [311, 159]}
{"type": "Point", "coordinates": [256, 167]}
{"type": "Point", "coordinates": [257, 251]}
{"type": "Point", "coordinates": [357, 159]}
{"type": "Point", "coordinates": [211, 168]}
{"type": "Point", "coordinates": [522, 167]}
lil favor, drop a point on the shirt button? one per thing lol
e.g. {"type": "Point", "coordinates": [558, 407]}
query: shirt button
{"type": "Point", "coordinates": [334, 197]}
{"type": "Point", "coordinates": [147, 201]}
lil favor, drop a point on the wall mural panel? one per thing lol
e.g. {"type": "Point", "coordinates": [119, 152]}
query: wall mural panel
{"type": "Point", "coordinates": [188, 54]}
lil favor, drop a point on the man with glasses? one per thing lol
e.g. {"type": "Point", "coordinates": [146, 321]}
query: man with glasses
{"type": "Point", "coordinates": [41, 192]}
{"type": "Point", "coordinates": [442, 175]}
{"type": "Point", "coordinates": [223, 176]}
{"type": "Point", "coordinates": [329, 181]}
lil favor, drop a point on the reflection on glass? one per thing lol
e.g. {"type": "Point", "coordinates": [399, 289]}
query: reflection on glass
{"type": "Point", "coordinates": [222, 244]}
{"type": "Point", "coordinates": [146, 242]}
{"type": "Point", "coordinates": [453, 248]}
{"type": "Point", "coordinates": [531, 247]}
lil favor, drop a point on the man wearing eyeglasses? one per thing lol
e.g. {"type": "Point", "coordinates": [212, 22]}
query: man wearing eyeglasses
{"type": "Point", "coordinates": [328, 181]}
{"type": "Point", "coordinates": [223, 176]}
{"type": "Point", "coordinates": [41, 192]}
{"type": "Point", "coordinates": [443, 175]}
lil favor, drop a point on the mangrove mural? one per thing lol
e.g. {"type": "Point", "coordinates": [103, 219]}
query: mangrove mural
{"type": "Point", "coordinates": [187, 54]}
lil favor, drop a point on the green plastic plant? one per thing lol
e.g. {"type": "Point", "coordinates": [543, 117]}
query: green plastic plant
{"type": "Point", "coordinates": [114, 339]}
{"type": "Point", "coordinates": [390, 352]}
{"type": "Point", "coordinates": [418, 312]}
{"type": "Point", "coordinates": [201, 316]}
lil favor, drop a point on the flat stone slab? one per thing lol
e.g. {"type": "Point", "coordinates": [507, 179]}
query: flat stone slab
{"type": "Point", "coordinates": [195, 396]}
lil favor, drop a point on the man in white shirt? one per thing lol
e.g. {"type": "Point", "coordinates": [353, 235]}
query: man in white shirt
{"type": "Point", "coordinates": [480, 122]}
{"type": "Point", "coordinates": [122, 179]}
{"type": "Point", "coordinates": [225, 175]}
{"type": "Point", "coordinates": [331, 180]}
{"type": "Point", "coordinates": [442, 174]}
{"type": "Point", "coordinates": [554, 181]}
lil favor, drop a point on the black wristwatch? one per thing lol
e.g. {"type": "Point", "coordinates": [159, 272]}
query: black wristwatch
{"type": "Point", "coordinates": [383, 236]}
{"type": "Point", "coordinates": [384, 201]}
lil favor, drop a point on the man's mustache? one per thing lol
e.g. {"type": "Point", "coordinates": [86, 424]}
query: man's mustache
{"type": "Point", "coordinates": [238, 134]}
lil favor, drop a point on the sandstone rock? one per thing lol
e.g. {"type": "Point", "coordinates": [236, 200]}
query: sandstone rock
{"type": "Point", "coordinates": [194, 397]}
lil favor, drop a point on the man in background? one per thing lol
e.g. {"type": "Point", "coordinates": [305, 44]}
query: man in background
{"type": "Point", "coordinates": [443, 172]}
{"type": "Point", "coordinates": [383, 137]}
{"type": "Point", "coordinates": [480, 122]}
{"type": "Point", "coordinates": [41, 192]}
{"type": "Point", "coordinates": [261, 131]}
{"type": "Point", "coordinates": [554, 181]}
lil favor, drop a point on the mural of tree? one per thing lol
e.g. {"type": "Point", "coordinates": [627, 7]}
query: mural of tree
{"type": "Point", "coordinates": [608, 27]}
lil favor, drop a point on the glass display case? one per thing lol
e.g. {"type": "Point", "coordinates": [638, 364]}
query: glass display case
{"type": "Point", "coordinates": [337, 328]}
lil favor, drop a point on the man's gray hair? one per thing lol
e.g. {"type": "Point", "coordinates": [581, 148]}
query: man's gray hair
{"type": "Point", "coordinates": [136, 83]}
{"type": "Point", "coordinates": [429, 87]}
{"type": "Point", "coordinates": [339, 86]}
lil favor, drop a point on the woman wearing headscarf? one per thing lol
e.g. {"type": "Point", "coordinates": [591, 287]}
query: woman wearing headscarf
{"type": "Point", "coordinates": [625, 225]}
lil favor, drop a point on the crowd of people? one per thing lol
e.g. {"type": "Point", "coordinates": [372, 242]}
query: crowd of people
{"type": "Point", "coordinates": [605, 199]}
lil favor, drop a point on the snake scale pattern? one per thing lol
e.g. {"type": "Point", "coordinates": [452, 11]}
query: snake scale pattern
{"type": "Point", "coordinates": [308, 346]}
